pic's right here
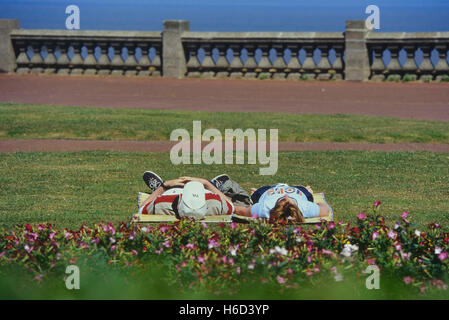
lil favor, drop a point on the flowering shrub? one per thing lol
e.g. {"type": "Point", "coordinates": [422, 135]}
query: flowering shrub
{"type": "Point", "coordinates": [216, 258]}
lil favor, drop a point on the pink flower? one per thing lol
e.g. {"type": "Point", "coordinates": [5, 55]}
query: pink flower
{"type": "Point", "coordinates": [397, 246]}
{"type": "Point", "coordinates": [38, 278]}
{"type": "Point", "coordinates": [190, 246]}
{"type": "Point", "coordinates": [164, 228]}
{"type": "Point", "coordinates": [201, 259]}
{"type": "Point", "coordinates": [377, 203]}
{"type": "Point", "coordinates": [28, 248]}
{"type": "Point", "coordinates": [404, 214]}
{"type": "Point", "coordinates": [2, 254]}
{"type": "Point", "coordinates": [325, 251]}
{"type": "Point", "coordinates": [213, 243]}
{"type": "Point", "coordinates": [280, 279]}
{"type": "Point", "coordinates": [232, 225]}
{"type": "Point", "coordinates": [309, 259]}
{"type": "Point", "coordinates": [113, 248]}
{"type": "Point", "coordinates": [391, 234]}
{"type": "Point", "coordinates": [166, 244]}
{"type": "Point", "coordinates": [134, 252]}
{"type": "Point", "coordinates": [375, 235]}
{"type": "Point", "coordinates": [238, 270]}
{"type": "Point", "coordinates": [51, 235]}
{"type": "Point", "coordinates": [361, 216]}
{"type": "Point", "coordinates": [407, 280]}
{"type": "Point", "coordinates": [289, 271]}
{"type": "Point", "coordinates": [442, 256]}
{"type": "Point", "coordinates": [331, 225]}
{"type": "Point", "coordinates": [204, 225]}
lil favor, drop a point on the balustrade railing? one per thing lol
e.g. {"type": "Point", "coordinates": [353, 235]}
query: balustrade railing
{"type": "Point", "coordinates": [264, 55]}
{"type": "Point", "coordinates": [87, 52]}
{"type": "Point", "coordinates": [356, 54]}
{"type": "Point", "coordinates": [424, 55]}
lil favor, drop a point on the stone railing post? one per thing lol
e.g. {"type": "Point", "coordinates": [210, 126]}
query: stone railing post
{"type": "Point", "coordinates": [173, 56]}
{"type": "Point", "coordinates": [357, 66]}
{"type": "Point", "coordinates": [7, 54]}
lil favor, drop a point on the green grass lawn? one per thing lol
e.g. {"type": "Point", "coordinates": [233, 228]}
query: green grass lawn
{"type": "Point", "coordinates": [53, 122]}
{"type": "Point", "coordinates": [67, 189]}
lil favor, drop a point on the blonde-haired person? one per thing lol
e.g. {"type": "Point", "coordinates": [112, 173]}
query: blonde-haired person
{"type": "Point", "coordinates": [282, 201]}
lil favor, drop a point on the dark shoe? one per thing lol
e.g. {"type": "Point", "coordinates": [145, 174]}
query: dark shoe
{"type": "Point", "coordinates": [219, 180]}
{"type": "Point", "coordinates": [152, 180]}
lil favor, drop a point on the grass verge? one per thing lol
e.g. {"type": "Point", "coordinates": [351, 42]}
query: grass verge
{"type": "Point", "coordinates": [52, 122]}
{"type": "Point", "coordinates": [67, 189]}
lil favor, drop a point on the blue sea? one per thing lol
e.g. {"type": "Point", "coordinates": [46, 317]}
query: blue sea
{"type": "Point", "coordinates": [231, 15]}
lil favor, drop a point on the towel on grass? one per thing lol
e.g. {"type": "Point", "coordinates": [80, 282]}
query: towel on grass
{"type": "Point", "coordinates": [162, 218]}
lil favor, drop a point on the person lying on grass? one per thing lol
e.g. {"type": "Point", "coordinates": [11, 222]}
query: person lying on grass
{"type": "Point", "coordinates": [185, 197]}
{"type": "Point", "coordinates": [281, 201]}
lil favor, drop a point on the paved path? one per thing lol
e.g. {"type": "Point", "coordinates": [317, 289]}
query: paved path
{"type": "Point", "coordinates": [37, 145]}
{"type": "Point", "coordinates": [404, 100]}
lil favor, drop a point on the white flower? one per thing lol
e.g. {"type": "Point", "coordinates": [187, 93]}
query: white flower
{"type": "Point", "coordinates": [437, 250]}
{"type": "Point", "coordinates": [338, 277]}
{"type": "Point", "coordinates": [144, 229]}
{"type": "Point", "coordinates": [417, 233]}
{"type": "Point", "coordinates": [112, 239]}
{"type": "Point", "coordinates": [279, 250]}
{"type": "Point", "coordinates": [349, 249]}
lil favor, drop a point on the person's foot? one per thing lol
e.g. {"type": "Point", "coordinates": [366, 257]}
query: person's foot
{"type": "Point", "coordinates": [152, 180]}
{"type": "Point", "coordinates": [219, 180]}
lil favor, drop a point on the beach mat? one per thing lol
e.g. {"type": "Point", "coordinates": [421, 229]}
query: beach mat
{"type": "Point", "coordinates": [162, 218]}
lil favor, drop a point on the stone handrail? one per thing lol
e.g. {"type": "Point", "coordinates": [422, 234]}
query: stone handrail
{"type": "Point", "coordinates": [356, 54]}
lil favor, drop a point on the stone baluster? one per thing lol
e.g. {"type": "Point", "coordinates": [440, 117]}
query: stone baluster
{"type": "Point", "coordinates": [378, 68]}
{"type": "Point", "coordinates": [37, 63]}
{"type": "Point", "coordinates": [337, 66]}
{"type": "Point", "coordinates": [250, 64]}
{"type": "Point", "coordinates": [309, 66]}
{"type": "Point", "coordinates": [324, 65]}
{"type": "Point", "coordinates": [236, 65]}
{"type": "Point", "coordinates": [50, 59]}
{"type": "Point", "coordinates": [117, 64]}
{"type": "Point", "coordinates": [222, 63]}
{"type": "Point", "coordinates": [131, 62]}
{"type": "Point", "coordinates": [264, 64]}
{"type": "Point", "coordinates": [63, 61]}
{"type": "Point", "coordinates": [90, 63]}
{"type": "Point", "coordinates": [279, 63]}
{"type": "Point", "coordinates": [394, 68]}
{"type": "Point", "coordinates": [442, 67]}
{"type": "Point", "coordinates": [208, 64]}
{"type": "Point", "coordinates": [22, 61]}
{"type": "Point", "coordinates": [104, 63]}
{"type": "Point", "coordinates": [426, 67]}
{"type": "Point", "coordinates": [410, 65]}
{"type": "Point", "coordinates": [143, 66]}
{"type": "Point", "coordinates": [293, 65]}
{"type": "Point", "coordinates": [193, 64]}
{"type": "Point", "coordinates": [76, 64]}
{"type": "Point", "coordinates": [156, 63]}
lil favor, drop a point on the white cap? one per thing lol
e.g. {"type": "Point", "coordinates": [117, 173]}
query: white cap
{"type": "Point", "coordinates": [193, 201]}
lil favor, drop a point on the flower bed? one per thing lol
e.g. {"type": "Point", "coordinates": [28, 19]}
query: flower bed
{"type": "Point", "coordinates": [220, 258]}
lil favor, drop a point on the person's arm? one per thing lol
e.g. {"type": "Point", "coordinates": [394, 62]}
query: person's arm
{"type": "Point", "coordinates": [324, 210]}
{"type": "Point", "coordinates": [166, 185]}
{"type": "Point", "coordinates": [243, 211]}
